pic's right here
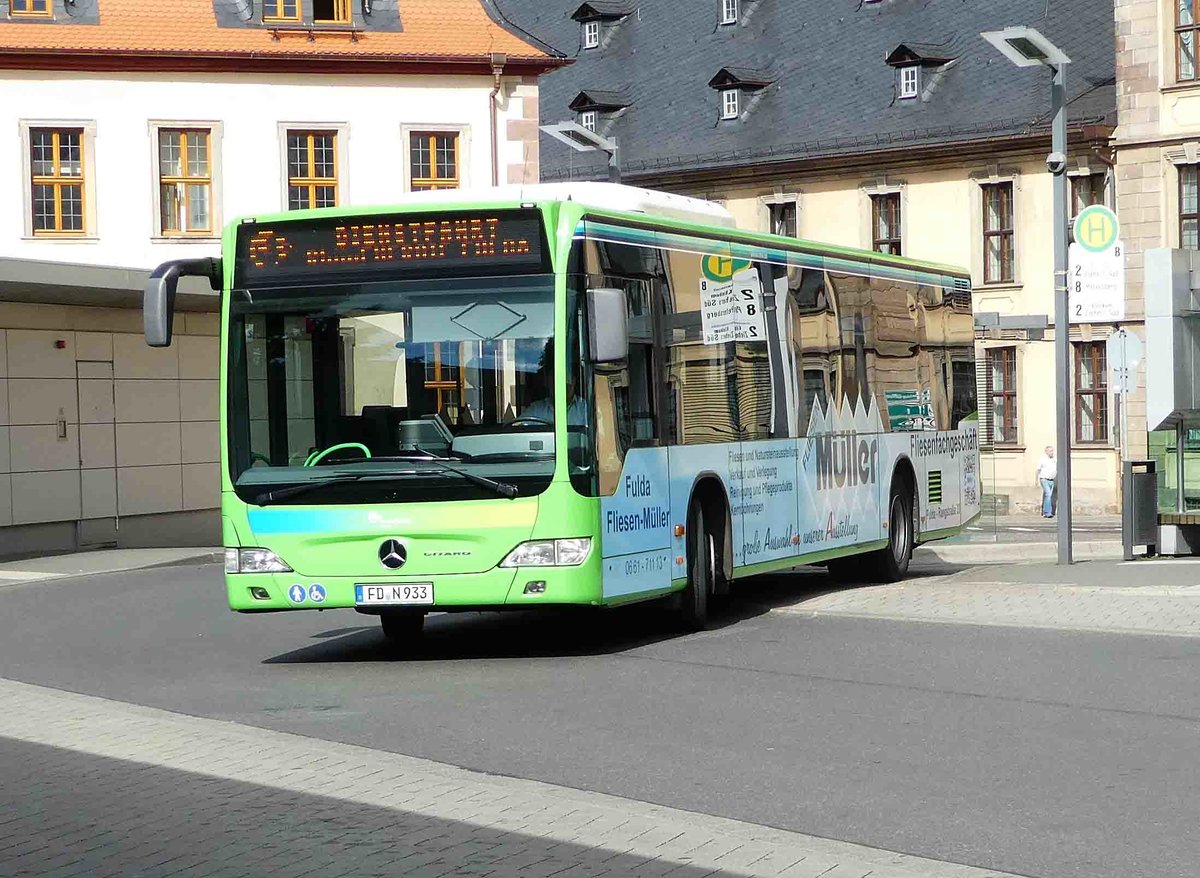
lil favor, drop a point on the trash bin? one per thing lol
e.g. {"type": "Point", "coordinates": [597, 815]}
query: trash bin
{"type": "Point", "coordinates": [1139, 507]}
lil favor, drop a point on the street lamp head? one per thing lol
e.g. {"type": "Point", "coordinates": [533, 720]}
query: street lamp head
{"type": "Point", "coordinates": [579, 138]}
{"type": "Point", "coordinates": [1026, 47]}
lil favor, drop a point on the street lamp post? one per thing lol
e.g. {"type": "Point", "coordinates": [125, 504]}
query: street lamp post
{"type": "Point", "coordinates": [583, 139]}
{"type": "Point", "coordinates": [1026, 47]}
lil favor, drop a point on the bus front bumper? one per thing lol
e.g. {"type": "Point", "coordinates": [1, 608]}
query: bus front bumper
{"type": "Point", "coordinates": [498, 587]}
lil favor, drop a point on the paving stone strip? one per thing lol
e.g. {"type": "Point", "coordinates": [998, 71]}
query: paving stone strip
{"type": "Point", "coordinates": [1159, 610]}
{"type": "Point", "coordinates": [428, 818]}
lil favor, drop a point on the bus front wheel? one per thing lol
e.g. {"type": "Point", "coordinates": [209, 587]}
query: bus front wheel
{"type": "Point", "coordinates": [402, 627]}
{"type": "Point", "coordinates": [693, 600]}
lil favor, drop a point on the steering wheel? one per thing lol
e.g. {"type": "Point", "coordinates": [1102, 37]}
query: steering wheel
{"type": "Point", "coordinates": [527, 421]}
{"type": "Point", "coordinates": [317, 456]}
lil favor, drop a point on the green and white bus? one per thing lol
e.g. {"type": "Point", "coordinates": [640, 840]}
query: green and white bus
{"type": "Point", "coordinates": [575, 394]}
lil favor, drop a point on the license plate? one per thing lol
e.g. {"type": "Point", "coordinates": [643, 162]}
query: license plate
{"type": "Point", "coordinates": [393, 594]}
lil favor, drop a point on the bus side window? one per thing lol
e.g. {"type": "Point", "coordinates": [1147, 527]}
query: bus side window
{"type": "Point", "coordinates": [627, 397]}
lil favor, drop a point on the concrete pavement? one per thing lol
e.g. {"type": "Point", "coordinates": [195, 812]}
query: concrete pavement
{"type": "Point", "coordinates": [108, 788]}
{"type": "Point", "coordinates": [103, 561]}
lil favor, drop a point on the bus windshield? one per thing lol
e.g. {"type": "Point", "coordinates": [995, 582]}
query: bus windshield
{"type": "Point", "coordinates": [390, 392]}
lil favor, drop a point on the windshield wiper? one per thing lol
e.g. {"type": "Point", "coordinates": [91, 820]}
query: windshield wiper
{"type": "Point", "coordinates": [268, 497]}
{"type": "Point", "coordinates": [504, 489]}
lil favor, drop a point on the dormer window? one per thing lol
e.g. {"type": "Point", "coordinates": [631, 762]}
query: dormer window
{"type": "Point", "coordinates": [331, 11]}
{"type": "Point", "coordinates": [596, 15]}
{"type": "Point", "coordinates": [729, 11]}
{"type": "Point", "coordinates": [591, 34]}
{"type": "Point", "coordinates": [730, 103]}
{"type": "Point", "coordinates": [915, 62]}
{"type": "Point", "coordinates": [281, 10]}
{"type": "Point", "coordinates": [595, 107]}
{"type": "Point", "coordinates": [739, 89]}
{"type": "Point", "coordinates": [29, 7]}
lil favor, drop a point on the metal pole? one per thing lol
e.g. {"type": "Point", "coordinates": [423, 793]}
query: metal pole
{"type": "Point", "coordinates": [1180, 441]}
{"type": "Point", "coordinates": [1062, 344]}
{"type": "Point", "coordinates": [614, 162]}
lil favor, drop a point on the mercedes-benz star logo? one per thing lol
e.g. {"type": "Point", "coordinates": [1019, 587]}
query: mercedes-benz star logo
{"type": "Point", "coordinates": [392, 554]}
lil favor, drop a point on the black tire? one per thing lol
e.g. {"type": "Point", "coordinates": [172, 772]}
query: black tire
{"type": "Point", "coordinates": [693, 600]}
{"type": "Point", "coordinates": [403, 627]}
{"type": "Point", "coordinates": [890, 564]}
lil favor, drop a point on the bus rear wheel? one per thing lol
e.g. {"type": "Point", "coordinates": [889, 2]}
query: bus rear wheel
{"type": "Point", "coordinates": [890, 564]}
{"type": "Point", "coordinates": [402, 627]}
{"type": "Point", "coordinates": [693, 600]}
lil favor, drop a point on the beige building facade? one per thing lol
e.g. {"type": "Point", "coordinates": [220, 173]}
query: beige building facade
{"type": "Point", "coordinates": [951, 209]}
{"type": "Point", "coordinates": [1157, 147]}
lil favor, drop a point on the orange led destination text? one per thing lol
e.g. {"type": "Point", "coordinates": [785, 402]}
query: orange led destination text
{"type": "Point", "coordinates": [389, 242]}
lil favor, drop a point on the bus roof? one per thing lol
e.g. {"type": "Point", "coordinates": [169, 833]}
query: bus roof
{"type": "Point", "coordinates": [615, 200]}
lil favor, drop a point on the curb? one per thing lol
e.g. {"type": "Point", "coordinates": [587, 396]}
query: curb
{"type": "Point", "coordinates": [1017, 553]}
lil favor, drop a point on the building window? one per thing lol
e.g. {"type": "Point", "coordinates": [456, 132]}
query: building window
{"type": "Point", "coordinates": [281, 10]}
{"type": "Point", "coordinates": [588, 119]}
{"type": "Point", "coordinates": [1189, 207]}
{"type": "Point", "coordinates": [729, 103]}
{"type": "Point", "coordinates": [591, 34]}
{"type": "Point", "coordinates": [185, 181]}
{"type": "Point", "coordinates": [1186, 29]}
{"type": "Point", "coordinates": [433, 160]}
{"type": "Point", "coordinates": [1002, 370]}
{"type": "Point", "coordinates": [1091, 392]}
{"type": "Point", "coordinates": [331, 11]}
{"type": "Point", "coordinates": [312, 169]}
{"type": "Point", "coordinates": [885, 223]}
{"type": "Point", "coordinates": [30, 7]}
{"type": "Point", "coordinates": [998, 238]}
{"type": "Point", "coordinates": [57, 175]}
{"type": "Point", "coordinates": [1086, 190]}
{"type": "Point", "coordinates": [910, 82]}
{"type": "Point", "coordinates": [729, 11]}
{"type": "Point", "coordinates": [782, 217]}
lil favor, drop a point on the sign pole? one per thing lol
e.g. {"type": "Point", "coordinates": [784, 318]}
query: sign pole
{"type": "Point", "coordinates": [1062, 344]}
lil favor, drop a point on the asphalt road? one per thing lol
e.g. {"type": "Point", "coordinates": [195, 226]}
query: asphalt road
{"type": "Point", "coordinates": [1036, 752]}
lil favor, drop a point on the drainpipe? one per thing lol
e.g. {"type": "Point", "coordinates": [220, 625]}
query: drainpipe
{"type": "Point", "coordinates": [499, 59]}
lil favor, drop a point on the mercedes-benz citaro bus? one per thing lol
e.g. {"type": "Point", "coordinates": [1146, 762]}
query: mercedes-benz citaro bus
{"type": "Point", "coordinates": [575, 394]}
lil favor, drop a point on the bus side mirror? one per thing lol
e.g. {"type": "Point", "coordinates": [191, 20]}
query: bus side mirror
{"type": "Point", "coordinates": [158, 300]}
{"type": "Point", "coordinates": [608, 328]}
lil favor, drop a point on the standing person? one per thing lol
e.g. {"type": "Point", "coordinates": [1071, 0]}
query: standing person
{"type": "Point", "coordinates": [1047, 472]}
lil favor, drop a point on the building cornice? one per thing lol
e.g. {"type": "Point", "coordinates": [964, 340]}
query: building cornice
{"type": "Point", "coordinates": [275, 62]}
{"type": "Point", "coordinates": [975, 151]}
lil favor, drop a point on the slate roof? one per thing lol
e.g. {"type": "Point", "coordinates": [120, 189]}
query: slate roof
{"type": "Point", "coordinates": [426, 30]}
{"type": "Point", "coordinates": [833, 92]}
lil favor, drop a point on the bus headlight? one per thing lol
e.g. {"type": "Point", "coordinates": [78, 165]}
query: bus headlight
{"type": "Point", "coordinates": [549, 553]}
{"type": "Point", "coordinates": [254, 561]}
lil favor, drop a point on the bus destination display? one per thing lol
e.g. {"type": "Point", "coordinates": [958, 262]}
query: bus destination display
{"type": "Point", "coordinates": [382, 247]}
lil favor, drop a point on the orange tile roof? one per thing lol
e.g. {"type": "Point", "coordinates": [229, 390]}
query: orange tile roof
{"type": "Point", "coordinates": [459, 31]}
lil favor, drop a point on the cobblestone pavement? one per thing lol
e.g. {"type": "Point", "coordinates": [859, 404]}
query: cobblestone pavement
{"type": "Point", "coordinates": [94, 787]}
{"type": "Point", "coordinates": [1137, 597]}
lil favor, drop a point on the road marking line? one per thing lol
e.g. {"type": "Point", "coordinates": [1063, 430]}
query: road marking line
{"type": "Point", "coordinates": [284, 761]}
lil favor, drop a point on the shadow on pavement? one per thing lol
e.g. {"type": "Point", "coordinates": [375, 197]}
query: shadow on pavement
{"type": "Point", "coordinates": [571, 632]}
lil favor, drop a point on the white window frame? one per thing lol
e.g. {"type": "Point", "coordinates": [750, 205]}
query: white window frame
{"type": "Point", "coordinates": [464, 149]}
{"type": "Point", "coordinates": [342, 129]}
{"type": "Point", "coordinates": [766, 202]}
{"type": "Point", "coordinates": [910, 85]}
{"type": "Point", "coordinates": [90, 230]}
{"type": "Point", "coordinates": [729, 12]}
{"type": "Point", "coordinates": [588, 119]}
{"type": "Point", "coordinates": [886, 186]}
{"type": "Point", "coordinates": [591, 34]}
{"type": "Point", "coordinates": [731, 103]}
{"type": "Point", "coordinates": [215, 135]}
